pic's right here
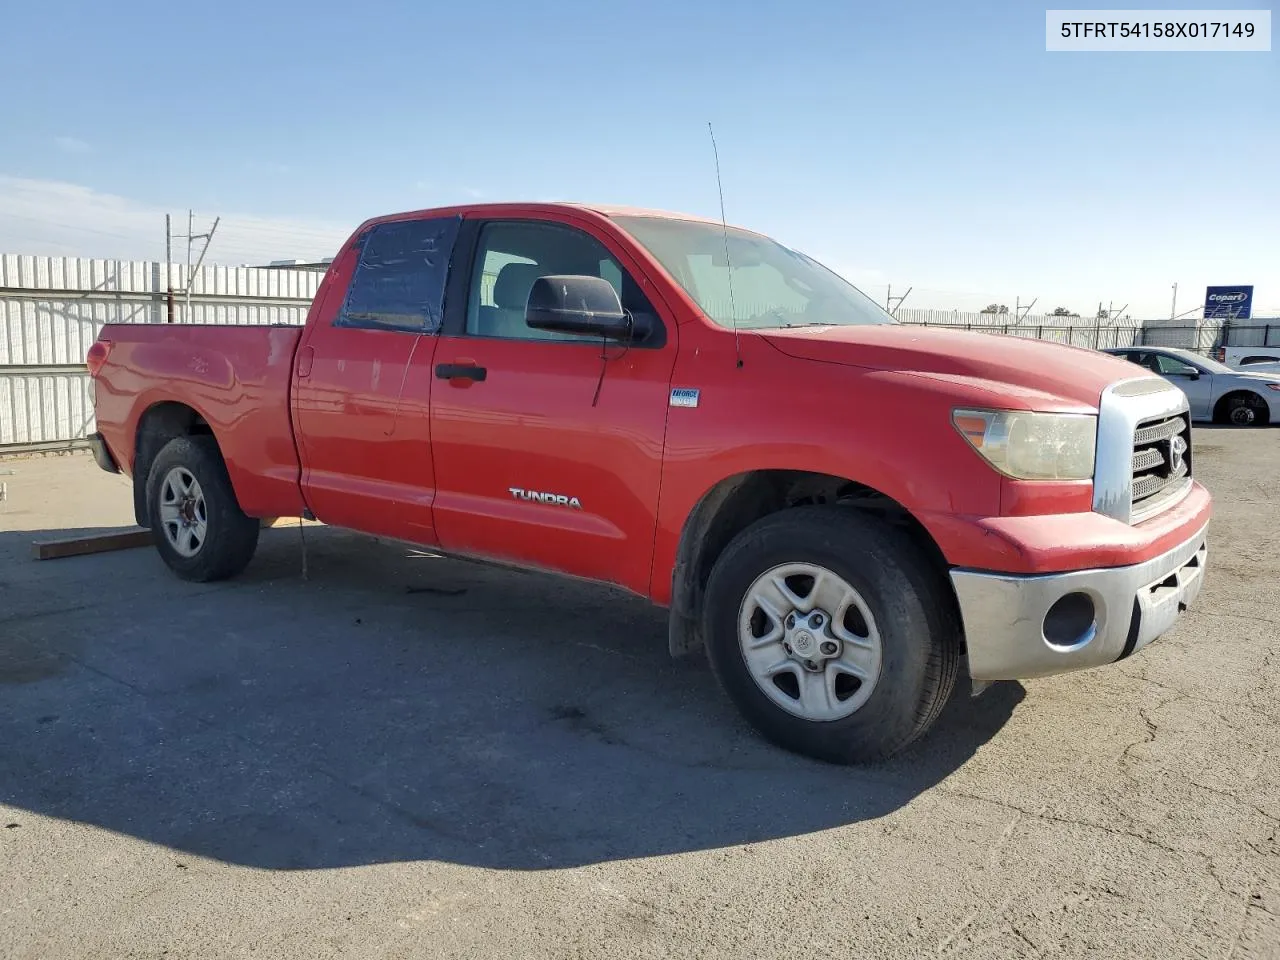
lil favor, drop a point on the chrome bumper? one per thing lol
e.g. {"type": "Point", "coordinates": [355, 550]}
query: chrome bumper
{"type": "Point", "coordinates": [1004, 614]}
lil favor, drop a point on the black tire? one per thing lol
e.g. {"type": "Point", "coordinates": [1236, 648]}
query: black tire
{"type": "Point", "coordinates": [231, 537]}
{"type": "Point", "coordinates": [908, 597]}
{"type": "Point", "coordinates": [1243, 409]}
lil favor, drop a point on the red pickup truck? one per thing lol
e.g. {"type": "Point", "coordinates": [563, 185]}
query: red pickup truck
{"type": "Point", "coordinates": [844, 511]}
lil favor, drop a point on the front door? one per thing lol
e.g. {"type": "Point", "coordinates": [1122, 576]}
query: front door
{"type": "Point", "coordinates": [364, 381]}
{"type": "Point", "coordinates": [548, 446]}
{"type": "Point", "coordinates": [1197, 384]}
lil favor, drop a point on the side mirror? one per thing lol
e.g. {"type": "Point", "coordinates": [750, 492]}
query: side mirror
{"type": "Point", "coordinates": [1194, 375]}
{"type": "Point", "coordinates": [577, 304]}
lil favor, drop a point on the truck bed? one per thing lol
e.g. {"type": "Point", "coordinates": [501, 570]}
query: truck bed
{"type": "Point", "coordinates": [235, 378]}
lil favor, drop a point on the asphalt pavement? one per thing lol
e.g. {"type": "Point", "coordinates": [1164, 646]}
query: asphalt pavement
{"type": "Point", "coordinates": [401, 755]}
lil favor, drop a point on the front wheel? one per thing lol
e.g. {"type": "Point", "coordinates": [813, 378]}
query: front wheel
{"type": "Point", "coordinates": [832, 633]}
{"type": "Point", "coordinates": [1243, 410]}
{"type": "Point", "coordinates": [198, 526]}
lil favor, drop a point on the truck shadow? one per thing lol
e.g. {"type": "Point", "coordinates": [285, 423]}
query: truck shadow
{"type": "Point", "coordinates": [395, 706]}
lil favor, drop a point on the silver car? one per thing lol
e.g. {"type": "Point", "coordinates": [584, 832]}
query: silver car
{"type": "Point", "coordinates": [1215, 391]}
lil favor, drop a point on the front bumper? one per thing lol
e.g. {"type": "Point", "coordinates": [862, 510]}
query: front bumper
{"type": "Point", "coordinates": [1004, 614]}
{"type": "Point", "coordinates": [102, 454]}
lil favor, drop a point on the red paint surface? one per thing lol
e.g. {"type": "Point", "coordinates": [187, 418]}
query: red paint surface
{"type": "Point", "coordinates": [237, 378]}
{"type": "Point", "coordinates": [384, 446]}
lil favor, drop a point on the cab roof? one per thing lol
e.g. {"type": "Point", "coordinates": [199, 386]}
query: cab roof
{"type": "Point", "coordinates": [604, 209]}
{"type": "Point", "coordinates": [503, 208]}
{"type": "Point", "coordinates": [616, 210]}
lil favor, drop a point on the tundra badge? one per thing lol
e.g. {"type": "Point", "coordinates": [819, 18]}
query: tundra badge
{"type": "Point", "coordinates": [554, 499]}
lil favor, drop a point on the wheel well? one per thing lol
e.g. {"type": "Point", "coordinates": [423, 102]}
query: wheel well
{"type": "Point", "coordinates": [1224, 402]}
{"type": "Point", "coordinates": [739, 501]}
{"type": "Point", "coordinates": [158, 425]}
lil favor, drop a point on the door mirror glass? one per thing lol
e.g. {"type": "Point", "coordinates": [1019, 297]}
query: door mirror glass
{"type": "Point", "coordinates": [577, 304]}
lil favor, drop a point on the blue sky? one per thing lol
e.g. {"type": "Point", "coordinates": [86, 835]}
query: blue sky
{"type": "Point", "coordinates": [928, 144]}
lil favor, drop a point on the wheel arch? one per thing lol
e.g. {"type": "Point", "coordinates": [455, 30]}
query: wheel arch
{"type": "Point", "coordinates": [737, 501]}
{"type": "Point", "coordinates": [161, 422]}
{"type": "Point", "coordinates": [1255, 399]}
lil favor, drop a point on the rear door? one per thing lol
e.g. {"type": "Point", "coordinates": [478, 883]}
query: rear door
{"type": "Point", "coordinates": [547, 446]}
{"type": "Point", "coordinates": [363, 382]}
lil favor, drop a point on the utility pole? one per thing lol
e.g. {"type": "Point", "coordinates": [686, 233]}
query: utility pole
{"type": "Point", "coordinates": [191, 235]}
{"type": "Point", "coordinates": [889, 298]}
{"type": "Point", "coordinates": [186, 316]}
{"type": "Point", "coordinates": [1173, 310]}
{"type": "Point", "coordinates": [1024, 311]}
{"type": "Point", "coordinates": [168, 269]}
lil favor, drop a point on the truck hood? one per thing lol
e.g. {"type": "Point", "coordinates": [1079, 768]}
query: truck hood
{"type": "Point", "coordinates": [1071, 373]}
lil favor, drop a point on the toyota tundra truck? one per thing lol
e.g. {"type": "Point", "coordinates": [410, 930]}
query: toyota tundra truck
{"type": "Point", "coordinates": [843, 511]}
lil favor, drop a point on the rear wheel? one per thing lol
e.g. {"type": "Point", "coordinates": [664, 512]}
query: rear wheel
{"type": "Point", "coordinates": [199, 529]}
{"type": "Point", "coordinates": [832, 633]}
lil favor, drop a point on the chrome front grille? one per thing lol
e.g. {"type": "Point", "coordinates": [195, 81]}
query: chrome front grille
{"type": "Point", "coordinates": [1161, 464]}
{"type": "Point", "coordinates": [1137, 472]}
{"type": "Point", "coordinates": [1160, 430]}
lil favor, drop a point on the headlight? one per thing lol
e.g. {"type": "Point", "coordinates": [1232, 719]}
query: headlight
{"type": "Point", "coordinates": [1032, 446]}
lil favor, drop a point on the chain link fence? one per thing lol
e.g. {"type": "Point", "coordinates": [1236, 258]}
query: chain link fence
{"type": "Point", "coordinates": [1203, 337]}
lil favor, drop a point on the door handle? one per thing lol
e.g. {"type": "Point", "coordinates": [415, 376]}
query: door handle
{"type": "Point", "coordinates": [461, 371]}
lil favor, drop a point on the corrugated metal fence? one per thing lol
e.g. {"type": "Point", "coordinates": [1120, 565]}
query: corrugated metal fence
{"type": "Point", "coordinates": [51, 309]}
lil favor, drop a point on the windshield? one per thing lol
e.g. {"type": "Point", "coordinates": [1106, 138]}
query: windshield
{"type": "Point", "coordinates": [1203, 363]}
{"type": "Point", "coordinates": [772, 285]}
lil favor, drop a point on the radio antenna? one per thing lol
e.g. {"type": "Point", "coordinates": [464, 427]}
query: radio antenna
{"type": "Point", "coordinates": [728, 265]}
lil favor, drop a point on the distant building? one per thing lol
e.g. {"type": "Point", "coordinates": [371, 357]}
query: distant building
{"type": "Point", "coordinates": [320, 266]}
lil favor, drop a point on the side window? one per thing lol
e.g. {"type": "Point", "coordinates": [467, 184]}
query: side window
{"type": "Point", "coordinates": [1145, 359]}
{"type": "Point", "coordinates": [511, 255]}
{"type": "Point", "coordinates": [399, 281]}
{"type": "Point", "coordinates": [610, 271]}
{"type": "Point", "coordinates": [1172, 366]}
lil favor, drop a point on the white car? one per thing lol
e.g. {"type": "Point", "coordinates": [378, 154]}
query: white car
{"type": "Point", "coordinates": [1251, 359]}
{"type": "Point", "coordinates": [1258, 365]}
{"type": "Point", "coordinates": [1215, 392]}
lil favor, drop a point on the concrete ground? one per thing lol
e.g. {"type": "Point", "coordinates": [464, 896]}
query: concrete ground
{"type": "Point", "coordinates": [407, 756]}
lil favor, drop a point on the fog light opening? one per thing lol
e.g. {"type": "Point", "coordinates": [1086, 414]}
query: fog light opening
{"type": "Point", "coordinates": [1071, 622]}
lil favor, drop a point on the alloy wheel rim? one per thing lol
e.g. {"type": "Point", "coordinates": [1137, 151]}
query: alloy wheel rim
{"type": "Point", "coordinates": [184, 516]}
{"type": "Point", "coordinates": [809, 641]}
